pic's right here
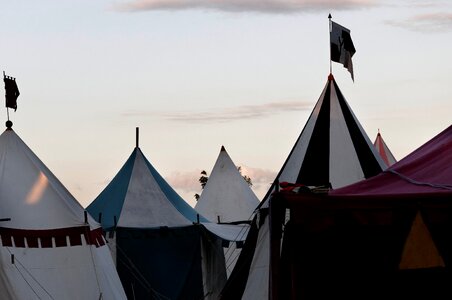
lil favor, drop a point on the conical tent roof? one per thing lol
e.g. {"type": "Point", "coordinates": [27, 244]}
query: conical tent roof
{"type": "Point", "coordinates": [384, 151]}
{"type": "Point", "coordinates": [139, 197]}
{"type": "Point", "coordinates": [226, 195]}
{"type": "Point", "coordinates": [50, 249]}
{"type": "Point", "coordinates": [41, 194]}
{"type": "Point", "coordinates": [333, 149]}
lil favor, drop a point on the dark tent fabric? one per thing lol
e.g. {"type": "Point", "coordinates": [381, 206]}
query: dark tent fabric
{"type": "Point", "coordinates": [354, 248]}
{"type": "Point", "coordinates": [389, 236]}
{"type": "Point", "coordinates": [144, 273]}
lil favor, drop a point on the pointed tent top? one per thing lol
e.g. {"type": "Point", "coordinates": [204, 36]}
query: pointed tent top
{"type": "Point", "coordinates": [383, 150]}
{"type": "Point", "coordinates": [31, 194]}
{"type": "Point", "coordinates": [331, 77]}
{"type": "Point", "coordinates": [226, 195]}
{"type": "Point", "coordinates": [222, 148]}
{"type": "Point", "coordinates": [138, 196]}
{"type": "Point", "coordinates": [333, 148]}
{"type": "Point", "coordinates": [329, 16]}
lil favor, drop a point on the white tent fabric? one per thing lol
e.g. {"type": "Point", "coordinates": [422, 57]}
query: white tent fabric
{"type": "Point", "coordinates": [78, 272]}
{"type": "Point", "coordinates": [257, 285]}
{"type": "Point", "coordinates": [226, 196]}
{"type": "Point", "coordinates": [49, 249]}
{"type": "Point", "coordinates": [30, 194]}
{"type": "Point", "coordinates": [228, 232]}
{"type": "Point", "coordinates": [145, 204]}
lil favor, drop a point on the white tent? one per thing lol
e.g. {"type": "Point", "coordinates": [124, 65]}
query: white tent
{"type": "Point", "coordinates": [332, 150]}
{"type": "Point", "coordinates": [50, 248]}
{"type": "Point", "coordinates": [226, 197]}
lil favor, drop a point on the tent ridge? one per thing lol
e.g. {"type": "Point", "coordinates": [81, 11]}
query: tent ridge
{"type": "Point", "coordinates": [415, 182]}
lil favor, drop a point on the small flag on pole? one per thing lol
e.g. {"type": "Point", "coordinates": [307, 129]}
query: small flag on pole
{"type": "Point", "coordinates": [342, 48]}
{"type": "Point", "coordinates": [11, 91]}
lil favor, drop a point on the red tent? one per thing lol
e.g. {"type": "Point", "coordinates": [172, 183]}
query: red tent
{"type": "Point", "coordinates": [389, 236]}
{"type": "Point", "coordinates": [384, 151]}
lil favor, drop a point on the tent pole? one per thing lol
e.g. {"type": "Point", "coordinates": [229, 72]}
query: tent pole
{"type": "Point", "coordinates": [137, 135]}
{"type": "Point", "coordinates": [330, 28]}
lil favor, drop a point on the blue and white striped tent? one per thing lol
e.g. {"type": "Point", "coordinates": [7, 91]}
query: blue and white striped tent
{"type": "Point", "coordinates": [139, 197]}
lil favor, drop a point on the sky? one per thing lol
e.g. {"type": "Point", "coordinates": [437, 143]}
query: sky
{"type": "Point", "coordinates": [194, 75]}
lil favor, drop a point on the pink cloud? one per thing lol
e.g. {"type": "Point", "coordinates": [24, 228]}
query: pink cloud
{"type": "Point", "coordinates": [231, 113]}
{"type": "Point", "coordinates": [260, 6]}
{"type": "Point", "coordinates": [187, 182]}
{"type": "Point", "coordinates": [431, 22]}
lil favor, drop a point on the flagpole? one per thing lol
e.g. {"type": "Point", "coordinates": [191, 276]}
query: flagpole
{"type": "Point", "coordinates": [329, 27]}
{"type": "Point", "coordinates": [7, 110]}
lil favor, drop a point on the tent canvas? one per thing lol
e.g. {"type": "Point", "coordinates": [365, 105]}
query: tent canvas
{"type": "Point", "coordinates": [50, 248]}
{"type": "Point", "coordinates": [226, 196]}
{"type": "Point", "coordinates": [384, 151]}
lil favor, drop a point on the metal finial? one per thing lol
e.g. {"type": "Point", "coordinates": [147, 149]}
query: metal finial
{"type": "Point", "coordinates": [9, 124]}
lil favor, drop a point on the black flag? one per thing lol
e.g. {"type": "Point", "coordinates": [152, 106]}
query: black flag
{"type": "Point", "coordinates": [342, 48]}
{"type": "Point", "coordinates": [11, 92]}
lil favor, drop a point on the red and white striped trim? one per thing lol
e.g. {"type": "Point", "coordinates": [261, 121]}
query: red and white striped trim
{"type": "Point", "coordinates": [50, 238]}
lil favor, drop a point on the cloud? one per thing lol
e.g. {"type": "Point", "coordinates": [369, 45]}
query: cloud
{"type": "Point", "coordinates": [259, 176]}
{"type": "Point", "coordinates": [261, 179]}
{"type": "Point", "coordinates": [239, 6]}
{"type": "Point", "coordinates": [187, 182]}
{"type": "Point", "coordinates": [431, 22]}
{"type": "Point", "coordinates": [230, 114]}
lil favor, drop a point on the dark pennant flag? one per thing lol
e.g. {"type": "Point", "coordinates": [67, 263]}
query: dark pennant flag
{"type": "Point", "coordinates": [11, 92]}
{"type": "Point", "coordinates": [342, 48]}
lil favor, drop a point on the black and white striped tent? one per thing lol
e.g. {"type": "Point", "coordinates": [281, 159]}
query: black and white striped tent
{"type": "Point", "coordinates": [332, 150]}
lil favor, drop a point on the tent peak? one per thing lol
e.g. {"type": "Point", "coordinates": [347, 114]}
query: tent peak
{"type": "Point", "coordinates": [222, 148]}
{"type": "Point", "coordinates": [330, 77]}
